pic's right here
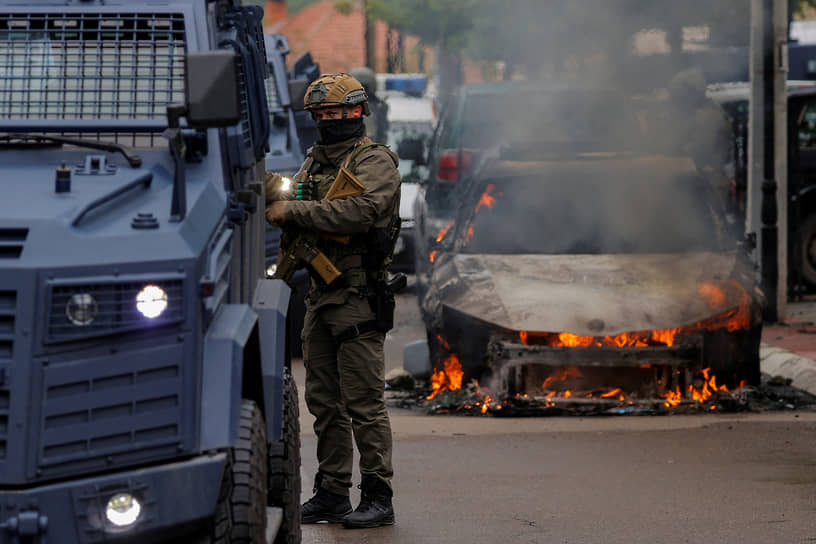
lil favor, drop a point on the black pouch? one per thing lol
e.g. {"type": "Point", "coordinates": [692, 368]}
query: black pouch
{"type": "Point", "coordinates": [382, 301]}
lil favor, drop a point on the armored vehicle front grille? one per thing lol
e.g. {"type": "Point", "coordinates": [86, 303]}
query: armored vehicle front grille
{"type": "Point", "coordinates": [8, 305]}
{"type": "Point", "coordinates": [90, 66]}
{"type": "Point", "coordinates": [125, 403]}
{"type": "Point", "coordinates": [109, 308]}
{"type": "Point", "coordinates": [11, 242]}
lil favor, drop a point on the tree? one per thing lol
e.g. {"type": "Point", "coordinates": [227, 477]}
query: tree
{"type": "Point", "coordinates": [806, 9]}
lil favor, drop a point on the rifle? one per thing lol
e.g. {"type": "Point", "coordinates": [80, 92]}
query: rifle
{"type": "Point", "coordinates": [303, 246]}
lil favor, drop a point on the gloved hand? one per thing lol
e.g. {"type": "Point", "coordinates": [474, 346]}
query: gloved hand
{"type": "Point", "coordinates": [276, 213]}
{"type": "Point", "coordinates": [277, 188]}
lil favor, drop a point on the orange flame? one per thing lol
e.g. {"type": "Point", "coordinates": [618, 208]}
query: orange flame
{"type": "Point", "coordinates": [561, 374]}
{"type": "Point", "coordinates": [447, 379]}
{"type": "Point", "coordinates": [487, 200]}
{"type": "Point", "coordinates": [432, 256]}
{"type": "Point", "coordinates": [443, 342]}
{"type": "Point", "coordinates": [711, 294]}
{"type": "Point", "coordinates": [444, 232]}
{"type": "Point", "coordinates": [735, 319]}
{"type": "Point", "coordinates": [611, 393]}
{"type": "Point", "coordinates": [699, 395]}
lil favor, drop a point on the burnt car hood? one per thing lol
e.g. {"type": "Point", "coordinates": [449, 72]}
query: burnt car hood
{"type": "Point", "coordinates": [588, 295]}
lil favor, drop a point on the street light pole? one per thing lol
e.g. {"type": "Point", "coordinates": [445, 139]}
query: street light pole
{"type": "Point", "coordinates": [768, 149]}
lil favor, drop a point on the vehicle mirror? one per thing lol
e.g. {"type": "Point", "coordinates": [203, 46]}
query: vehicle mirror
{"type": "Point", "coordinates": [211, 93]}
{"type": "Point", "coordinates": [412, 149]}
{"type": "Point", "coordinates": [297, 93]}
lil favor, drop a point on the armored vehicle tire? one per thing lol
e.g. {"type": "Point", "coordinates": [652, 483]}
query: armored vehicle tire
{"type": "Point", "coordinates": [240, 516]}
{"type": "Point", "coordinates": [284, 467]}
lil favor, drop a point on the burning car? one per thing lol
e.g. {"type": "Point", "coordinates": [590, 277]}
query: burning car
{"type": "Point", "coordinates": [593, 276]}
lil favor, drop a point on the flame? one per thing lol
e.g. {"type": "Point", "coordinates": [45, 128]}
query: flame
{"type": "Point", "coordinates": [432, 256]}
{"type": "Point", "coordinates": [487, 200]}
{"type": "Point", "coordinates": [561, 374]}
{"type": "Point", "coordinates": [444, 232]}
{"type": "Point", "coordinates": [611, 393]}
{"type": "Point", "coordinates": [447, 379]}
{"type": "Point", "coordinates": [711, 294]}
{"type": "Point", "coordinates": [734, 319]}
{"type": "Point", "coordinates": [698, 394]}
{"type": "Point", "coordinates": [443, 342]}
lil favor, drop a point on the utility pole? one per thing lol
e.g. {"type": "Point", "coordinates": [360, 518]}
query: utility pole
{"type": "Point", "coordinates": [782, 16]}
{"type": "Point", "coordinates": [767, 176]}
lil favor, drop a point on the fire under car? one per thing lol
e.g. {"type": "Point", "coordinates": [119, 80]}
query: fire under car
{"type": "Point", "coordinates": [595, 276]}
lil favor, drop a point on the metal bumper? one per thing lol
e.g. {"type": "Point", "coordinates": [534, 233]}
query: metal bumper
{"type": "Point", "coordinates": [521, 368]}
{"type": "Point", "coordinates": [175, 498]}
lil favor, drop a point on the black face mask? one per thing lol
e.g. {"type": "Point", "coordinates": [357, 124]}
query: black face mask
{"type": "Point", "coordinates": [333, 131]}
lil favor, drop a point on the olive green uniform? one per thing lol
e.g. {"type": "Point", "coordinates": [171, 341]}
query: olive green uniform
{"type": "Point", "coordinates": [345, 379]}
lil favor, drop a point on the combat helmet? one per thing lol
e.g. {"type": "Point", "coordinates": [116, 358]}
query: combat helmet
{"type": "Point", "coordinates": [336, 90]}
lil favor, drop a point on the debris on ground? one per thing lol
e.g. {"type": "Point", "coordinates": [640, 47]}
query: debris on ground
{"type": "Point", "coordinates": [774, 393]}
{"type": "Point", "coordinates": [400, 380]}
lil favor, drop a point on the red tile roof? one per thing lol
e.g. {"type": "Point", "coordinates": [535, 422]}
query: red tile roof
{"type": "Point", "coordinates": [337, 40]}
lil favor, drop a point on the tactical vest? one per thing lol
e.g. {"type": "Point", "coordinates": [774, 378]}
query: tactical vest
{"type": "Point", "coordinates": [366, 256]}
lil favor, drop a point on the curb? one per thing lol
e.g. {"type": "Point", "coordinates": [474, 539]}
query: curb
{"type": "Point", "coordinates": [777, 361]}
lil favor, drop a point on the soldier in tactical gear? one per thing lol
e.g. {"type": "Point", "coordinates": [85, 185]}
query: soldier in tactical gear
{"type": "Point", "coordinates": [346, 321]}
{"type": "Point", "coordinates": [376, 123]}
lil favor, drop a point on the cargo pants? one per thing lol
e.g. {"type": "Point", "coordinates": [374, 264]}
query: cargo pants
{"type": "Point", "coordinates": [345, 388]}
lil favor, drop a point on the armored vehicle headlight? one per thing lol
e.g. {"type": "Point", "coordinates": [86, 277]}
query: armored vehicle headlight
{"type": "Point", "coordinates": [151, 301]}
{"type": "Point", "coordinates": [123, 509]}
{"type": "Point", "coordinates": [81, 309]}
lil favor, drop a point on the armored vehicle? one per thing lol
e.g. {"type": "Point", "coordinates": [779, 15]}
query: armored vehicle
{"type": "Point", "coordinates": [145, 389]}
{"type": "Point", "coordinates": [292, 132]}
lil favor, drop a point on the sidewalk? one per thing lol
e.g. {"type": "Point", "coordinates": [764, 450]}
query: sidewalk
{"type": "Point", "coordinates": [789, 349]}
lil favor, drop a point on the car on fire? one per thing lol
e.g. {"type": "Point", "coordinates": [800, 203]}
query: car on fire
{"type": "Point", "coordinates": [591, 274]}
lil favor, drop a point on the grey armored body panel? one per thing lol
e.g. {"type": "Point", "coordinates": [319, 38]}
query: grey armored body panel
{"type": "Point", "coordinates": [137, 333]}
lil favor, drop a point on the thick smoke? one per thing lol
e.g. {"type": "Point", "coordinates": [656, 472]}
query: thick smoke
{"type": "Point", "coordinates": [613, 100]}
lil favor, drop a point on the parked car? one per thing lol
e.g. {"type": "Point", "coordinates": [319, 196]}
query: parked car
{"type": "Point", "coordinates": [734, 99]}
{"type": "Point", "coordinates": [614, 268]}
{"type": "Point", "coordinates": [411, 122]}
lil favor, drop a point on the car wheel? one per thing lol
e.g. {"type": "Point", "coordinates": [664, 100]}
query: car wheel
{"type": "Point", "coordinates": [240, 515]}
{"type": "Point", "coordinates": [807, 240]}
{"type": "Point", "coordinates": [284, 467]}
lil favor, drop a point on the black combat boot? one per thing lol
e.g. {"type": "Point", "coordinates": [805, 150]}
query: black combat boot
{"type": "Point", "coordinates": [325, 505]}
{"type": "Point", "coordinates": [375, 507]}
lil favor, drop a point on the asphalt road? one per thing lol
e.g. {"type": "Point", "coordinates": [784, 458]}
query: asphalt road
{"type": "Point", "coordinates": [745, 478]}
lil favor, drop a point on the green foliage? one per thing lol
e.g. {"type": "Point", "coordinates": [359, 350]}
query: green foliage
{"type": "Point", "coordinates": [297, 5]}
{"type": "Point", "coordinates": [806, 9]}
